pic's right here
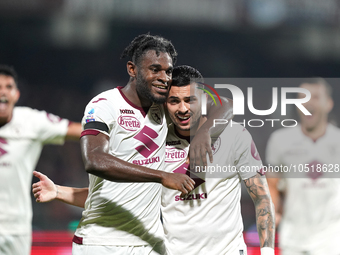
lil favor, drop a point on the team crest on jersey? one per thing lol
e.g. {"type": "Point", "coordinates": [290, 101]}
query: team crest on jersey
{"type": "Point", "coordinates": [90, 116]}
{"type": "Point", "coordinates": [216, 146]}
{"type": "Point", "coordinates": [173, 154]}
{"type": "Point", "coordinates": [129, 123]}
{"type": "Point", "coordinates": [156, 114]}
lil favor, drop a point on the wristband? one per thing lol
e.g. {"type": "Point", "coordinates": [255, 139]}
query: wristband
{"type": "Point", "coordinates": [267, 251]}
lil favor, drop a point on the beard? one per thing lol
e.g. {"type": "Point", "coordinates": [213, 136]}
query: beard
{"type": "Point", "coordinates": [145, 92]}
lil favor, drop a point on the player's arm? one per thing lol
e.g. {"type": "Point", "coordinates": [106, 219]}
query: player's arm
{"type": "Point", "coordinates": [98, 161]}
{"type": "Point", "coordinates": [73, 131]}
{"type": "Point", "coordinates": [45, 190]}
{"type": "Point", "coordinates": [201, 143]}
{"type": "Point", "coordinates": [257, 188]}
{"type": "Point", "coordinates": [276, 197]}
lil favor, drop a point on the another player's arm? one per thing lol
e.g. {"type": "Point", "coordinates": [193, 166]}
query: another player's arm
{"type": "Point", "coordinates": [45, 190]}
{"type": "Point", "coordinates": [257, 188]}
{"type": "Point", "coordinates": [73, 131]}
{"type": "Point", "coordinates": [98, 161]}
{"type": "Point", "coordinates": [276, 198]}
{"type": "Point", "coordinates": [201, 143]}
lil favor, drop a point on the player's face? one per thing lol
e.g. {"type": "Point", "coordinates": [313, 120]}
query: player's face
{"type": "Point", "coordinates": [319, 106]}
{"type": "Point", "coordinates": [9, 95]}
{"type": "Point", "coordinates": [184, 107]}
{"type": "Point", "coordinates": [153, 76]}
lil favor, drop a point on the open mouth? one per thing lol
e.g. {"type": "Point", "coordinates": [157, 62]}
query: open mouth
{"type": "Point", "coordinates": [3, 103]}
{"type": "Point", "coordinates": [183, 119]}
{"type": "Point", "coordinates": [161, 88]}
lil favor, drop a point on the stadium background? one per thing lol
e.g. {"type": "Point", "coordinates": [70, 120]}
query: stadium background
{"type": "Point", "coordinates": [66, 51]}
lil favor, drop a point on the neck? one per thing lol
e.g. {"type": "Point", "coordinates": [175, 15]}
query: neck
{"type": "Point", "coordinates": [316, 132]}
{"type": "Point", "coordinates": [131, 93]}
{"type": "Point", "coordinates": [5, 120]}
{"type": "Point", "coordinates": [193, 130]}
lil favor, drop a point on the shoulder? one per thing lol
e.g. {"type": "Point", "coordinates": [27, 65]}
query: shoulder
{"type": "Point", "coordinates": [106, 97]}
{"type": "Point", "coordinates": [333, 130]}
{"type": "Point", "coordinates": [287, 135]}
{"type": "Point", "coordinates": [24, 112]}
{"type": "Point", "coordinates": [235, 131]}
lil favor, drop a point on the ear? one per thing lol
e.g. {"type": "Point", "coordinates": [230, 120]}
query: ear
{"type": "Point", "coordinates": [131, 69]}
{"type": "Point", "coordinates": [17, 95]}
{"type": "Point", "coordinates": [330, 104]}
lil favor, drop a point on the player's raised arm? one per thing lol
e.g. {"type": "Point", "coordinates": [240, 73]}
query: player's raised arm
{"type": "Point", "coordinates": [257, 188]}
{"type": "Point", "coordinates": [73, 131]}
{"type": "Point", "coordinates": [200, 145]}
{"type": "Point", "coordinates": [45, 191]}
{"type": "Point", "coordinates": [98, 161]}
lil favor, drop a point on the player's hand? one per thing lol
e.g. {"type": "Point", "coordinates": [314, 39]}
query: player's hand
{"type": "Point", "coordinates": [200, 145]}
{"type": "Point", "coordinates": [180, 182]}
{"type": "Point", "coordinates": [44, 190]}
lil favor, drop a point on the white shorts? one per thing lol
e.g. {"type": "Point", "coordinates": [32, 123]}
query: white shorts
{"type": "Point", "coordinates": [314, 252]}
{"type": "Point", "coordinates": [15, 244]}
{"type": "Point", "coordinates": [81, 249]}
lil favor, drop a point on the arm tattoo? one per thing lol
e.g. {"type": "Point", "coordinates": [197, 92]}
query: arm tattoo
{"type": "Point", "coordinates": [265, 219]}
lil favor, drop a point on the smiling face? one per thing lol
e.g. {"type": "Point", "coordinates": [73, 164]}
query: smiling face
{"type": "Point", "coordinates": [184, 107]}
{"type": "Point", "coordinates": [9, 95]}
{"type": "Point", "coordinates": [319, 106]}
{"type": "Point", "coordinates": [153, 74]}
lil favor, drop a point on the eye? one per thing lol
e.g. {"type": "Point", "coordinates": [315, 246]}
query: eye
{"type": "Point", "coordinates": [154, 70]}
{"type": "Point", "coordinates": [172, 101]}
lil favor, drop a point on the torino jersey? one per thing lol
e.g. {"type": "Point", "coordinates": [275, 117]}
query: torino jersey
{"type": "Point", "coordinates": [21, 142]}
{"type": "Point", "coordinates": [209, 220]}
{"type": "Point", "coordinates": [125, 213]}
{"type": "Point", "coordinates": [311, 217]}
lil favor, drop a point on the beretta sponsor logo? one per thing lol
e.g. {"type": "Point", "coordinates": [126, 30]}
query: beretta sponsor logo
{"type": "Point", "coordinates": [129, 123]}
{"type": "Point", "coordinates": [174, 155]}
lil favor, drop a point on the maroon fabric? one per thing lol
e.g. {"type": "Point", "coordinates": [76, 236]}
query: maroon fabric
{"type": "Point", "coordinates": [77, 239]}
{"type": "Point", "coordinates": [89, 132]}
{"type": "Point", "coordinates": [143, 112]}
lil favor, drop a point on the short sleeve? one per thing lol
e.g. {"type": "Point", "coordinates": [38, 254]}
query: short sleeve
{"type": "Point", "coordinates": [247, 159]}
{"type": "Point", "coordinates": [101, 112]}
{"type": "Point", "coordinates": [51, 128]}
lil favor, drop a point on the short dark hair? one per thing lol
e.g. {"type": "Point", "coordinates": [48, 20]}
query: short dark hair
{"type": "Point", "coordinates": [185, 75]}
{"type": "Point", "coordinates": [146, 42]}
{"type": "Point", "coordinates": [320, 81]}
{"type": "Point", "coordinates": [9, 71]}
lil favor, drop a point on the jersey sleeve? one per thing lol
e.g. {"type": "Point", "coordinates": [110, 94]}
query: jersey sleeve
{"type": "Point", "coordinates": [51, 128]}
{"type": "Point", "coordinates": [247, 159]}
{"type": "Point", "coordinates": [98, 116]}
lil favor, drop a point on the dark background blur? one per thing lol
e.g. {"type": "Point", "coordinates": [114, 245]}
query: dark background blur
{"type": "Point", "coordinates": [67, 51]}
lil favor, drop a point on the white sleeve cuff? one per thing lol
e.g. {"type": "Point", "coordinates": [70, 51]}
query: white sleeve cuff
{"type": "Point", "coordinates": [267, 251]}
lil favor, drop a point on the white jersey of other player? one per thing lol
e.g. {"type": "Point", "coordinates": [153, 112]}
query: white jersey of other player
{"type": "Point", "coordinates": [209, 220]}
{"type": "Point", "coordinates": [125, 213]}
{"type": "Point", "coordinates": [311, 216]}
{"type": "Point", "coordinates": [21, 142]}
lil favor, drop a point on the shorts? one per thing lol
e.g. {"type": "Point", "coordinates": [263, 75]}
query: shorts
{"type": "Point", "coordinates": [15, 244]}
{"type": "Point", "coordinates": [323, 251]}
{"type": "Point", "coordinates": [81, 249]}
